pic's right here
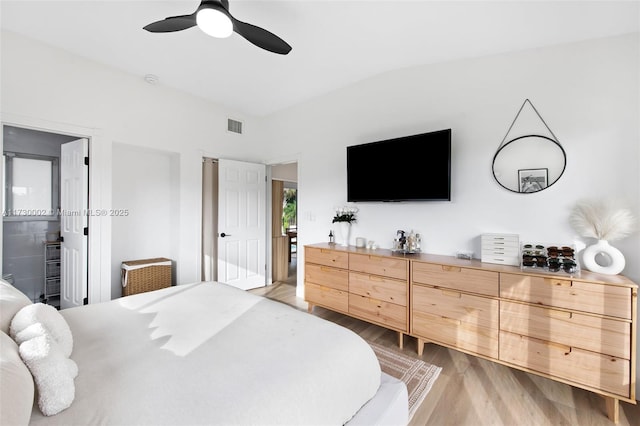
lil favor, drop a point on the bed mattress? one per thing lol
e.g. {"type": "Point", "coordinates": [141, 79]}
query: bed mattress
{"type": "Point", "coordinates": [208, 353]}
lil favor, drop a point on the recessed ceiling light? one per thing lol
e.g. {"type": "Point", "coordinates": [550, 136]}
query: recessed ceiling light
{"type": "Point", "coordinates": [151, 78]}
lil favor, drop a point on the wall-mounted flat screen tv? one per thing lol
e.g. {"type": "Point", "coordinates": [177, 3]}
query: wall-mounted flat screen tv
{"type": "Point", "coordinates": [410, 168]}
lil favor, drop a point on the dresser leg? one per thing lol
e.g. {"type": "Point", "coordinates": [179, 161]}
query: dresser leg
{"type": "Point", "coordinates": [400, 339]}
{"type": "Point", "coordinates": [309, 307]}
{"type": "Point", "coordinates": [613, 409]}
{"type": "Point", "coordinates": [420, 346]}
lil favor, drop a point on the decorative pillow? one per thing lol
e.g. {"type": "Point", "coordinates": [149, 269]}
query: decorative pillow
{"type": "Point", "coordinates": [16, 385]}
{"type": "Point", "coordinates": [11, 301]}
{"type": "Point", "coordinates": [50, 318]}
{"type": "Point", "coordinates": [52, 371]}
{"type": "Point", "coordinates": [34, 330]}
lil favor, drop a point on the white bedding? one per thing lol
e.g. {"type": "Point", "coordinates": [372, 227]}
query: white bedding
{"type": "Point", "coordinates": [211, 354]}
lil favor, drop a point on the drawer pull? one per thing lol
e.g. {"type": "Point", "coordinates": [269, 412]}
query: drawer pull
{"type": "Point", "coordinates": [451, 294]}
{"type": "Point", "coordinates": [325, 269]}
{"type": "Point", "coordinates": [564, 348]}
{"type": "Point", "coordinates": [451, 320]}
{"type": "Point", "coordinates": [375, 302]}
{"type": "Point", "coordinates": [559, 283]}
{"type": "Point", "coordinates": [330, 290]}
{"type": "Point", "coordinates": [450, 268]}
{"type": "Point", "coordinates": [560, 314]}
{"type": "Point", "coordinates": [376, 278]}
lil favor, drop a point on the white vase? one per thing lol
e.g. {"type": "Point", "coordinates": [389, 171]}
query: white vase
{"type": "Point", "coordinates": [344, 233]}
{"type": "Point", "coordinates": [614, 257]}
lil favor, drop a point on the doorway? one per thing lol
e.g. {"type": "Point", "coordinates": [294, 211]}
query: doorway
{"type": "Point", "coordinates": [285, 246]}
{"type": "Point", "coordinates": [32, 255]}
{"type": "Point", "coordinates": [290, 226]}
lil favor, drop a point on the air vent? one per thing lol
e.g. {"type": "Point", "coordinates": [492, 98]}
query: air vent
{"type": "Point", "coordinates": [234, 126]}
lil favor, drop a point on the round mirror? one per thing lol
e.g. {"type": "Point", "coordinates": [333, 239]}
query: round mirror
{"type": "Point", "coordinates": [529, 163]}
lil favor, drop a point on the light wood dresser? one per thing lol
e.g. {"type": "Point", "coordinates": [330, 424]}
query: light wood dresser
{"type": "Point", "coordinates": [578, 330]}
{"type": "Point", "coordinates": [372, 286]}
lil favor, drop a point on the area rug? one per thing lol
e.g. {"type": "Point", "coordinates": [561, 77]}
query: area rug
{"type": "Point", "coordinates": [418, 375]}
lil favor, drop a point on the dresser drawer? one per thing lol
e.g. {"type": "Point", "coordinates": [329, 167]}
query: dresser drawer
{"type": "Point", "coordinates": [388, 266]}
{"type": "Point", "coordinates": [584, 367]}
{"type": "Point", "coordinates": [568, 328]}
{"type": "Point", "coordinates": [500, 251]}
{"type": "Point", "coordinates": [326, 276]}
{"type": "Point", "coordinates": [328, 297]}
{"type": "Point", "coordinates": [326, 257]}
{"type": "Point", "coordinates": [500, 240]}
{"type": "Point", "coordinates": [563, 293]}
{"type": "Point", "coordinates": [377, 287]}
{"type": "Point", "coordinates": [500, 258]}
{"type": "Point", "coordinates": [461, 320]}
{"type": "Point", "coordinates": [378, 311]}
{"type": "Point", "coordinates": [471, 280]}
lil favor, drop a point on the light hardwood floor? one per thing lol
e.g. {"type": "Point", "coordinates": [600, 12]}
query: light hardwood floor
{"type": "Point", "coordinates": [472, 391]}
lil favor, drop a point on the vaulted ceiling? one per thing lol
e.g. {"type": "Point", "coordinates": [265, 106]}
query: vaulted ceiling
{"type": "Point", "coordinates": [335, 43]}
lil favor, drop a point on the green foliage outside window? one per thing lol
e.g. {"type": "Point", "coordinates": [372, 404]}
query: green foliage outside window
{"type": "Point", "coordinates": [289, 208]}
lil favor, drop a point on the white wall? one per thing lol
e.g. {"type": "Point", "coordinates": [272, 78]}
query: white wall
{"type": "Point", "coordinates": [50, 85]}
{"type": "Point", "coordinates": [588, 94]}
{"type": "Point", "coordinates": [287, 172]}
{"type": "Point", "coordinates": [146, 192]}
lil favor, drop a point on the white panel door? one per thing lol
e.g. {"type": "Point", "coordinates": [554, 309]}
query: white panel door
{"type": "Point", "coordinates": [74, 202]}
{"type": "Point", "coordinates": [241, 224]}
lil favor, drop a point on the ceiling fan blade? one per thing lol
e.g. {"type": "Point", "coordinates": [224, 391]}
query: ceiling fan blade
{"type": "Point", "coordinates": [261, 37]}
{"type": "Point", "coordinates": [172, 23]}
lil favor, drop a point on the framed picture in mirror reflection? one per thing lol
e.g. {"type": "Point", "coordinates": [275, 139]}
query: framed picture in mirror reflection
{"type": "Point", "coordinates": [533, 180]}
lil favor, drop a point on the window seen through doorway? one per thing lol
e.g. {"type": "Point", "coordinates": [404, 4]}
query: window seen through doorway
{"type": "Point", "coordinates": [289, 210]}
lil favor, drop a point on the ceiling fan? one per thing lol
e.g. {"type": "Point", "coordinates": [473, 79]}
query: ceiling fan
{"type": "Point", "coordinates": [213, 17]}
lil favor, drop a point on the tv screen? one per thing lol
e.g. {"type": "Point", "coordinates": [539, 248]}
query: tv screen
{"type": "Point", "coordinates": [410, 168]}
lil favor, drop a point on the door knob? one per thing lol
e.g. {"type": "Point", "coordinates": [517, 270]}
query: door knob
{"type": "Point", "coordinates": [225, 235]}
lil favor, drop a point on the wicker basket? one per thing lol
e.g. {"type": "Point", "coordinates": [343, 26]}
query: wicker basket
{"type": "Point", "coordinates": [139, 276]}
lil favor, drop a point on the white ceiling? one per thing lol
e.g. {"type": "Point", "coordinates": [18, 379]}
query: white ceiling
{"type": "Point", "coordinates": [335, 43]}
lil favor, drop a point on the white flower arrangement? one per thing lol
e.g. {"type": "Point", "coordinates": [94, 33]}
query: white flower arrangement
{"type": "Point", "coordinates": [603, 220]}
{"type": "Point", "coordinates": [345, 214]}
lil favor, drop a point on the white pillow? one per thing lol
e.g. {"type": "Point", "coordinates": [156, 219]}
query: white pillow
{"type": "Point", "coordinates": [52, 371]}
{"type": "Point", "coordinates": [16, 385]}
{"type": "Point", "coordinates": [11, 301]}
{"type": "Point", "coordinates": [34, 330]}
{"type": "Point", "coordinates": [50, 319]}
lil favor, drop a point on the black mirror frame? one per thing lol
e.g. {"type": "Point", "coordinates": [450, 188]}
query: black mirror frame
{"type": "Point", "coordinates": [493, 163]}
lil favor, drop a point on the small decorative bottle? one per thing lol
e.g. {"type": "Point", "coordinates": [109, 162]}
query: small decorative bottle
{"type": "Point", "coordinates": [332, 239]}
{"type": "Point", "coordinates": [418, 243]}
{"type": "Point", "coordinates": [411, 242]}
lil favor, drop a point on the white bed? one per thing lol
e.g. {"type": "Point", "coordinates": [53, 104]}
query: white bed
{"type": "Point", "coordinates": [208, 353]}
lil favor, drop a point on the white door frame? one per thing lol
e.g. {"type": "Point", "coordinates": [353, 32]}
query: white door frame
{"type": "Point", "coordinates": [99, 259]}
{"type": "Point", "coordinates": [294, 158]}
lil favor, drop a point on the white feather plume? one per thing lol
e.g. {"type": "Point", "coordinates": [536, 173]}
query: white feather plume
{"type": "Point", "coordinates": [601, 219]}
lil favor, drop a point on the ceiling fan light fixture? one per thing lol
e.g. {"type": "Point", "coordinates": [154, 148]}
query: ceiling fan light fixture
{"type": "Point", "coordinates": [214, 23]}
